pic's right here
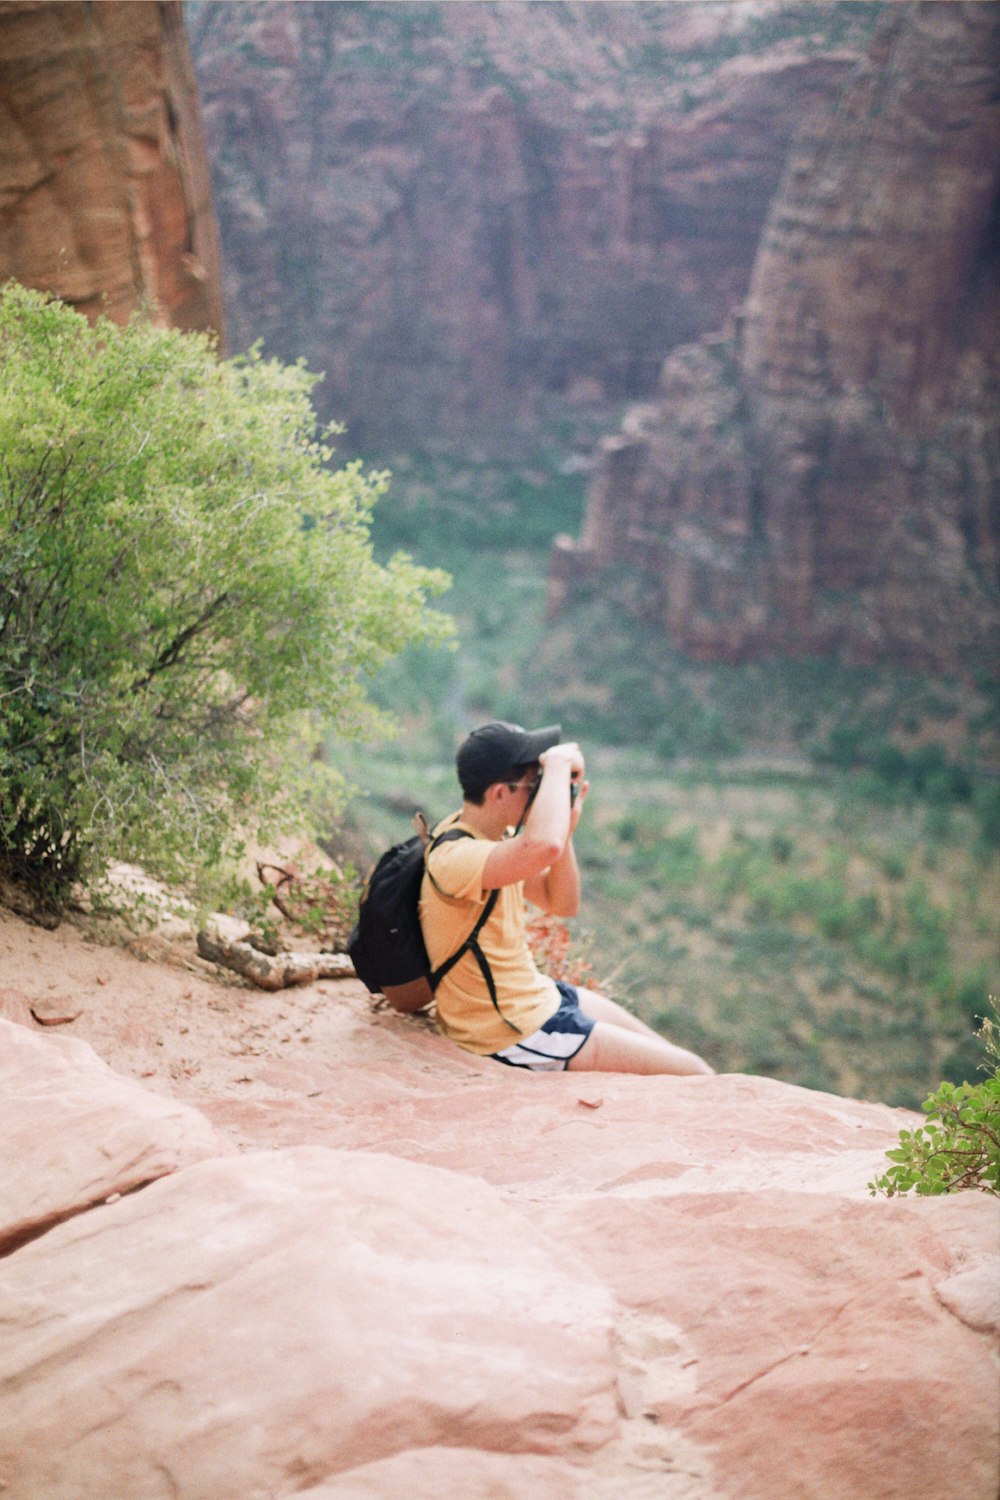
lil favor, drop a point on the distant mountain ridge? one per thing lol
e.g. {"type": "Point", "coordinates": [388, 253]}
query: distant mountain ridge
{"type": "Point", "coordinates": [825, 476]}
{"type": "Point", "coordinates": [455, 211]}
{"type": "Point", "coordinates": [781, 244]}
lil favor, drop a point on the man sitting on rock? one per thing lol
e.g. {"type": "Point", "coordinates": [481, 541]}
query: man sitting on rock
{"type": "Point", "coordinates": [524, 793]}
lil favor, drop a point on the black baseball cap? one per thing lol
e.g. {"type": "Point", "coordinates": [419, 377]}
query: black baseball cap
{"type": "Point", "coordinates": [496, 751]}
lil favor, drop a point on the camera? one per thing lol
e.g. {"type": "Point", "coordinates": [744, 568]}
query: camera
{"type": "Point", "coordinates": [574, 792]}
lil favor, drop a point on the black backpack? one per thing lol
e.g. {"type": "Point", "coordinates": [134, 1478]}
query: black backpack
{"type": "Point", "coordinates": [387, 946]}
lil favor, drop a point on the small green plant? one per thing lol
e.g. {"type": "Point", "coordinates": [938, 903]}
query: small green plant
{"type": "Point", "coordinates": [959, 1147]}
{"type": "Point", "coordinates": [321, 905]}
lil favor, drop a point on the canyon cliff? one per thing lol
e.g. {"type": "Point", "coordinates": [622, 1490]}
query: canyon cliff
{"type": "Point", "coordinates": [774, 226]}
{"type": "Point", "coordinates": [459, 212]}
{"type": "Point", "coordinates": [105, 198]}
{"type": "Point", "coordinates": [824, 474]}
{"type": "Point", "coordinates": [480, 221]}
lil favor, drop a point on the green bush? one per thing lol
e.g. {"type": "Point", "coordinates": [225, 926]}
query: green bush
{"type": "Point", "coordinates": [893, 864]}
{"type": "Point", "coordinates": [959, 1147]}
{"type": "Point", "coordinates": [187, 594]}
{"type": "Point", "coordinates": [986, 805]}
{"type": "Point", "coordinates": [782, 847]}
{"type": "Point", "coordinates": [844, 746]}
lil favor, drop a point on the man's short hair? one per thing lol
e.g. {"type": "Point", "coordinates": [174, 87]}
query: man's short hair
{"type": "Point", "coordinates": [499, 751]}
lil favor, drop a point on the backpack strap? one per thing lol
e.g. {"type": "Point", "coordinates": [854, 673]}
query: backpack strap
{"type": "Point", "coordinates": [430, 844]}
{"type": "Point", "coordinates": [471, 944]}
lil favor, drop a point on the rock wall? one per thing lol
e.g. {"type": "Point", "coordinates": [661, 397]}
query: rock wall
{"type": "Point", "coordinates": [455, 211]}
{"type": "Point", "coordinates": [105, 198]}
{"type": "Point", "coordinates": [825, 475]}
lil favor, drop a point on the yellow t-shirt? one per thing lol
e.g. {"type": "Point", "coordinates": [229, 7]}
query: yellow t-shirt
{"type": "Point", "coordinates": [465, 1012]}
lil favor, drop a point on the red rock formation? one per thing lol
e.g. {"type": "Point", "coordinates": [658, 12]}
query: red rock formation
{"type": "Point", "coordinates": [114, 1135]}
{"type": "Point", "coordinates": [426, 1276]}
{"type": "Point", "coordinates": [826, 477]}
{"type": "Point", "coordinates": [454, 211]}
{"type": "Point", "coordinates": [105, 197]}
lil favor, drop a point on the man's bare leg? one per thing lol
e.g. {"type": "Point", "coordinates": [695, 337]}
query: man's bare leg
{"type": "Point", "coordinates": [600, 1008]}
{"type": "Point", "coordinates": [621, 1043]}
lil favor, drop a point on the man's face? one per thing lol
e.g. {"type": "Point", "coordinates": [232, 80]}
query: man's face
{"type": "Point", "coordinates": [522, 787]}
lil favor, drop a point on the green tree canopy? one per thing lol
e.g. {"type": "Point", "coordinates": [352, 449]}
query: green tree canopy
{"type": "Point", "coordinates": [188, 596]}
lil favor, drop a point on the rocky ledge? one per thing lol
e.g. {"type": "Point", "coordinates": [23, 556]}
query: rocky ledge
{"type": "Point", "coordinates": [309, 1248]}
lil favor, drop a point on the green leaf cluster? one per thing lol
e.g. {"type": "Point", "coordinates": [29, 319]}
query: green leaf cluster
{"type": "Point", "coordinates": [959, 1147]}
{"type": "Point", "coordinates": [188, 596]}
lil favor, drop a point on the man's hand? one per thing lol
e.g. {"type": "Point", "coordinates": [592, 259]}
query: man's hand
{"type": "Point", "coordinates": [567, 760]}
{"type": "Point", "coordinates": [577, 806]}
{"type": "Point", "coordinates": [556, 887]}
{"type": "Point", "coordinates": [541, 854]}
{"type": "Point", "coordinates": [569, 754]}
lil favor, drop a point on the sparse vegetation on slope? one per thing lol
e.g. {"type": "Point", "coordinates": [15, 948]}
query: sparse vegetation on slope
{"type": "Point", "coordinates": [790, 866]}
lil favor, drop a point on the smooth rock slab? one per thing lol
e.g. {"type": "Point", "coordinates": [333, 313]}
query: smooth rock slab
{"type": "Point", "coordinates": [72, 1132]}
{"type": "Point", "coordinates": [457, 1474]}
{"type": "Point", "coordinates": [258, 1324]}
{"type": "Point", "coordinates": [802, 1341]}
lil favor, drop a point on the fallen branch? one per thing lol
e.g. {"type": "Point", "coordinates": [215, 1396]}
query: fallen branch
{"type": "Point", "coordinates": [277, 972]}
{"type": "Point", "coordinates": [320, 905]}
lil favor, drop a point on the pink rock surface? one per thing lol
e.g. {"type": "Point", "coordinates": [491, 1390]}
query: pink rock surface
{"type": "Point", "coordinates": [974, 1295]}
{"type": "Point", "coordinates": [72, 1132]}
{"type": "Point", "coordinates": [262, 1326]}
{"type": "Point", "coordinates": [427, 1473]}
{"type": "Point", "coordinates": [261, 1322]}
{"type": "Point", "coordinates": [759, 1288]}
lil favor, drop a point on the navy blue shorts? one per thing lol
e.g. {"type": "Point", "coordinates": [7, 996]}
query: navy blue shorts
{"type": "Point", "coordinates": [549, 1049]}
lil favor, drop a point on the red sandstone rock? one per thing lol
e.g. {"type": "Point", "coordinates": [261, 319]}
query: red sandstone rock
{"type": "Point", "coordinates": [820, 479]}
{"type": "Point", "coordinates": [256, 1323]}
{"type": "Point", "coordinates": [435, 1473]}
{"type": "Point", "coordinates": [459, 212]}
{"type": "Point", "coordinates": [760, 1289]}
{"type": "Point", "coordinates": [72, 1132]}
{"type": "Point", "coordinates": [350, 1322]}
{"type": "Point", "coordinates": [104, 190]}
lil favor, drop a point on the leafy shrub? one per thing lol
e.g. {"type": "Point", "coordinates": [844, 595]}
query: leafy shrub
{"type": "Point", "coordinates": [848, 917]}
{"type": "Point", "coordinates": [844, 746]}
{"type": "Point", "coordinates": [959, 1147]}
{"type": "Point", "coordinates": [928, 950]}
{"type": "Point", "coordinates": [187, 591]}
{"type": "Point", "coordinates": [666, 744]}
{"type": "Point", "coordinates": [890, 763]}
{"type": "Point", "coordinates": [970, 991]}
{"type": "Point", "coordinates": [667, 859]}
{"type": "Point", "coordinates": [782, 847]}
